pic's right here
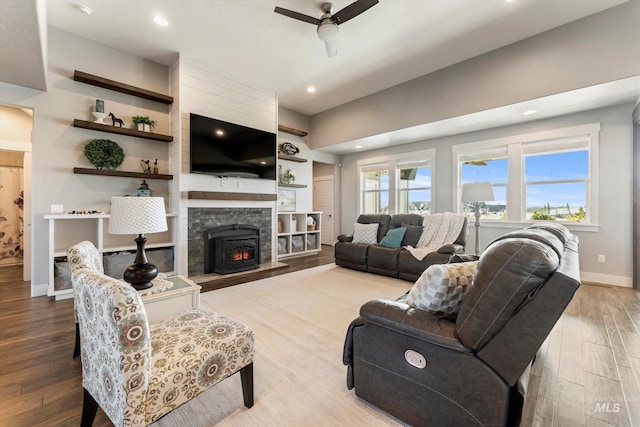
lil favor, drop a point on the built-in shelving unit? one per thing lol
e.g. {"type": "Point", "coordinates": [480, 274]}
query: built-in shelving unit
{"type": "Point", "coordinates": [124, 174]}
{"type": "Point", "coordinates": [65, 230]}
{"type": "Point", "coordinates": [91, 79]}
{"type": "Point", "coordinates": [121, 131]}
{"type": "Point", "coordinates": [284, 184]}
{"type": "Point", "coordinates": [291, 158]}
{"type": "Point", "coordinates": [296, 237]}
{"type": "Point", "coordinates": [292, 131]}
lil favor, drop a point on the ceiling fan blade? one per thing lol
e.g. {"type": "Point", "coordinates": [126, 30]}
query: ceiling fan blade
{"type": "Point", "coordinates": [332, 47]}
{"type": "Point", "coordinates": [297, 15]}
{"type": "Point", "coordinates": [353, 10]}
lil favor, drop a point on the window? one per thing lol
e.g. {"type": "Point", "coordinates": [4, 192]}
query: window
{"type": "Point", "coordinates": [414, 187]}
{"type": "Point", "coordinates": [397, 184]}
{"type": "Point", "coordinates": [550, 175]}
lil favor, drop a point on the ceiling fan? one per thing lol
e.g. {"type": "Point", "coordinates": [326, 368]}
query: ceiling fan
{"type": "Point", "coordinates": [328, 23]}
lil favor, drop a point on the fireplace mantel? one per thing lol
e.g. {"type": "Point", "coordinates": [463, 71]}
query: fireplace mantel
{"type": "Point", "coordinates": [223, 195]}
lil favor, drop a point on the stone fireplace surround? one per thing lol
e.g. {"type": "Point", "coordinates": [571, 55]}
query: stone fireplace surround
{"type": "Point", "coordinates": [202, 219]}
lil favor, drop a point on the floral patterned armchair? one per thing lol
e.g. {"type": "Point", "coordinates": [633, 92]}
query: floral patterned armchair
{"type": "Point", "coordinates": [82, 255]}
{"type": "Point", "coordinates": [137, 373]}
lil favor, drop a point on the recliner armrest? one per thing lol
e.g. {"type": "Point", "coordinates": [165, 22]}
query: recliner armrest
{"type": "Point", "coordinates": [412, 321]}
{"type": "Point", "coordinates": [451, 248]}
{"type": "Point", "coordinates": [345, 238]}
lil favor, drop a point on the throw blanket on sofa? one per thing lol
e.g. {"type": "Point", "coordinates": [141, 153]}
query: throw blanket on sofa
{"type": "Point", "coordinates": [438, 230]}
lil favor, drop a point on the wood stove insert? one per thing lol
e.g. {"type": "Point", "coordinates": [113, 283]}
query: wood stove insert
{"type": "Point", "coordinates": [231, 248]}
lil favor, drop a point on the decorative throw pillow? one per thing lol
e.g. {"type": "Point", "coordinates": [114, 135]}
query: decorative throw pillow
{"type": "Point", "coordinates": [441, 288]}
{"type": "Point", "coordinates": [412, 235]}
{"type": "Point", "coordinates": [393, 239]}
{"type": "Point", "coordinates": [367, 234]}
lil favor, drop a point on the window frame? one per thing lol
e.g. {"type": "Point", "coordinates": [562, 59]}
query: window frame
{"type": "Point", "coordinates": [391, 163]}
{"type": "Point", "coordinates": [516, 191]}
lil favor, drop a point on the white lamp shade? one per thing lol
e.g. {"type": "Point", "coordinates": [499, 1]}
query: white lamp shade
{"type": "Point", "coordinates": [479, 191]}
{"type": "Point", "coordinates": [137, 215]}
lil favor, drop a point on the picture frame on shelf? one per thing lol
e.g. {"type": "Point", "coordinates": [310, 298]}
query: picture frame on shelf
{"type": "Point", "coordinates": [286, 200]}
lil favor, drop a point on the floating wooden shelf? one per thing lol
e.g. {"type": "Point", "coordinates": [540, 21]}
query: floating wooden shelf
{"type": "Point", "coordinates": [282, 184]}
{"type": "Point", "coordinates": [121, 131]}
{"type": "Point", "coordinates": [108, 172]}
{"type": "Point", "coordinates": [219, 195]}
{"type": "Point", "coordinates": [80, 76]}
{"type": "Point", "coordinates": [292, 131]}
{"type": "Point", "coordinates": [292, 158]}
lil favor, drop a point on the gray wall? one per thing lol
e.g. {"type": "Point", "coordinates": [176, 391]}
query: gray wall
{"type": "Point", "coordinates": [614, 238]}
{"type": "Point", "coordinates": [57, 146]}
{"type": "Point", "coordinates": [594, 50]}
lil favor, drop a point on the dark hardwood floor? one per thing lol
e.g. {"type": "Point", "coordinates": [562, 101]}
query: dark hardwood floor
{"type": "Point", "coordinates": [587, 373]}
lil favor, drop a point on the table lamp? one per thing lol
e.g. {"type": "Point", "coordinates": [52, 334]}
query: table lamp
{"type": "Point", "coordinates": [476, 192]}
{"type": "Point", "coordinates": [138, 215]}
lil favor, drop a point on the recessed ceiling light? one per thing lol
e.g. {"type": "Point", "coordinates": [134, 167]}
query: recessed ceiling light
{"type": "Point", "coordinates": [219, 132]}
{"type": "Point", "coordinates": [358, 146]}
{"type": "Point", "coordinates": [529, 112]}
{"type": "Point", "coordinates": [509, 1]}
{"type": "Point", "coordinates": [160, 20]}
{"type": "Point", "coordinates": [82, 8]}
{"type": "Point", "coordinates": [311, 89]}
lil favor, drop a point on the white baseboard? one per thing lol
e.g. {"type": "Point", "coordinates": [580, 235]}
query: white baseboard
{"type": "Point", "coordinates": [39, 290]}
{"type": "Point", "coordinates": [607, 279]}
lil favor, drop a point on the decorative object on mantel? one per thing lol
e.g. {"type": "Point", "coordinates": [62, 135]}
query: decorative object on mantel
{"type": "Point", "coordinates": [86, 213]}
{"type": "Point", "coordinates": [145, 165]}
{"type": "Point", "coordinates": [143, 123]}
{"type": "Point", "coordinates": [104, 153]}
{"type": "Point", "coordinates": [115, 120]}
{"type": "Point", "coordinates": [155, 167]}
{"type": "Point", "coordinates": [286, 200]}
{"type": "Point", "coordinates": [143, 190]}
{"type": "Point", "coordinates": [138, 215]}
{"type": "Point", "coordinates": [99, 113]}
{"type": "Point", "coordinates": [311, 223]}
{"type": "Point", "coordinates": [99, 117]}
{"type": "Point", "coordinates": [288, 177]}
{"type": "Point", "coordinates": [288, 148]}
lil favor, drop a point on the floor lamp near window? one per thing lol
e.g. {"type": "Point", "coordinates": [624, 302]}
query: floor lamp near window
{"type": "Point", "coordinates": [476, 192]}
{"type": "Point", "coordinates": [138, 215]}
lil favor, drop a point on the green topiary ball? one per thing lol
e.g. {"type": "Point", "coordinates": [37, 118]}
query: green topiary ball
{"type": "Point", "coordinates": [104, 153]}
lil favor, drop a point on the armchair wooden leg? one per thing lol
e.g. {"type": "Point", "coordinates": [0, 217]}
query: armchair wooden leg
{"type": "Point", "coordinates": [76, 348]}
{"type": "Point", "coordinates": [246, 376]}
{"type": "Point", "coordinates": [89, 409]}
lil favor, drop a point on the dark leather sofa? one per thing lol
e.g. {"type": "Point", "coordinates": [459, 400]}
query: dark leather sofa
{"type": "Point", "coordinates": [477, 365]}
{"type": "Point", "coordinates": [394, 262]}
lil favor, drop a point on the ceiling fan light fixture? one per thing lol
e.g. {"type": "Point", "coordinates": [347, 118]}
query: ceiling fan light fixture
{"type": "Point", "coordinates": [327, 30]}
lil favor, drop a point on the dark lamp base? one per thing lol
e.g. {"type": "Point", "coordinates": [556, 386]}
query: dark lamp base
{"type": "Point", "coordinates": [140, 276]}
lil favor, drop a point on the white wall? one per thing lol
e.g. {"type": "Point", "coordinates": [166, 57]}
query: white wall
{"type": "Point", "coordinates": [614, 237]}
{"type": "Point", "coordinates": [58, 147]}
{"type": "Point", "coordinates": [207, 93]}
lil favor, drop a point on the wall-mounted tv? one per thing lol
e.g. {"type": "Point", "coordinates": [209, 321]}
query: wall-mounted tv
{"type": "Point", "coordinates": [231, 150]}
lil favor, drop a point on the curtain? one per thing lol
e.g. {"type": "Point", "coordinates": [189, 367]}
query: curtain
{"type": "Point", "coordinates": [11, 213]}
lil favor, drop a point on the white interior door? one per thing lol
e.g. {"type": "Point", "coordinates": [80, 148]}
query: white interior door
{"type": "Point", "coordinates": [323, 201]}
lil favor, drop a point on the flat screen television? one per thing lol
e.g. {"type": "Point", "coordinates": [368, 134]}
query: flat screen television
{"type": "Point", "coordinates": [231, 150]}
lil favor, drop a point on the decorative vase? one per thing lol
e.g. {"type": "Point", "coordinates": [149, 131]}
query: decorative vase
{"type": "Point", "coordinates": [147, 127]}
{"type": "Point", "coordinates": [140, 127]}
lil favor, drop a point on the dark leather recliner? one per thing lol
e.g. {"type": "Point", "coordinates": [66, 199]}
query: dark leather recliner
{"type": "Point", "coordinates": [523, 282]}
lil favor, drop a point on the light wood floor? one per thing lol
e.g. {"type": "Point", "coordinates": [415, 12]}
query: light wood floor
{"type": "Point", "coordinates": [586, 373]}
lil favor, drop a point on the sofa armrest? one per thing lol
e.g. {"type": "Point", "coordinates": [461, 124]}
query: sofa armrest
{"type": "Point", "coordinates": [451, 248]}
{"type": "Point", "coordinates": [345, 238]}
{"type": "Point", "coordinates": [412, 321]}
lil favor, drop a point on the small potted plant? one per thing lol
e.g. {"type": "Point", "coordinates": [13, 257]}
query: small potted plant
{"type": "Point", "coordinates": [143, 123]}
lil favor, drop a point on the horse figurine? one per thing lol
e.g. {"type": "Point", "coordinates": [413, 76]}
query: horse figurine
{"type": "Point", "coordinates": [115, 120]}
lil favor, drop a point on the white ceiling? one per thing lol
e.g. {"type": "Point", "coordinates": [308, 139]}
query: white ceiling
{"type": "Point", "coordinates": [394, 41]}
